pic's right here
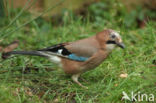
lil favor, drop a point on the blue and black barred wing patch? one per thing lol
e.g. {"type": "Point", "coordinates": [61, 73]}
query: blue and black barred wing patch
{"type": "Point", "coordinates": [60, 50]}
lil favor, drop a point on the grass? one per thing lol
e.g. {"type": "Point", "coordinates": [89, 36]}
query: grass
{"type": "Point", "coordinates": [26, 79]}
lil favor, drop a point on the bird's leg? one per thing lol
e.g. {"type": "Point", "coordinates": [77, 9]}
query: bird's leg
{"type": "Point", "coordinates": [75, 79]}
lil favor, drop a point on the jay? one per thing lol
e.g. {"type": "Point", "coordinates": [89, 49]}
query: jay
{"type": "Point", "coordinates": [80, 56]}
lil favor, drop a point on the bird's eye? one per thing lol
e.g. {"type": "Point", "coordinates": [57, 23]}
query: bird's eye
{"type": "Point", "coordinates": [113, 36]}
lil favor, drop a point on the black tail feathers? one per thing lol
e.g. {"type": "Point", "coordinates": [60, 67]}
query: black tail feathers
{"type": "Point", "coordinates": [33, 53]}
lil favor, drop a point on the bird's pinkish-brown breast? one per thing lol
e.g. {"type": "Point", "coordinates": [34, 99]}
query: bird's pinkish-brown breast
{"type": "Point", "coordinates": [70, 66]}
{"type": "Point", "coordinates": [95, 60]}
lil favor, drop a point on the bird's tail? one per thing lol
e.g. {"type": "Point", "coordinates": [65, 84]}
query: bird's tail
{"type": "Point", "coordinates": [33, 53]}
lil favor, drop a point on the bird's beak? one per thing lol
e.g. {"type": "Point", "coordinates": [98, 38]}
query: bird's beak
{"type": "Point", "coordinates": [121, 45]}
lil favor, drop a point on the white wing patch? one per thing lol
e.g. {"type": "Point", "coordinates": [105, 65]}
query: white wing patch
{"type": "Point", "coordinates": [55, 59]}
{"type": "Point", "coordinates": [60, 51]}
{"type": "Point", "coordinates": [52, 57]}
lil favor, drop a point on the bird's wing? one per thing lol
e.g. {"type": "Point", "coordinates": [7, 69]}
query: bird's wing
{"type": "Point", "coordinates": [78, 51]}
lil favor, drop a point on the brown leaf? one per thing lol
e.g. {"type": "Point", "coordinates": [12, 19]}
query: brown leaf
{"type": "Point", "coordinates": [11, 46]}
{"type": "Point", "coordinates": [124, 75]}
{"type": "Point", "coordinates": [28, 91]}
{"type": "Point", "coordinates": [56, 100]}
{"type": "Point", "coordinates": [116, 85]}
{"type": "Point", "coordinates": [152, 65]}
{"type": "Point", "coordinates": [1, 48]}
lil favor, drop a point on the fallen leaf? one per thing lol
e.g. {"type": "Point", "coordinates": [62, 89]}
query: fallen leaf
{"type": "Point", "coordinates": [116, 85]}
{"type": "Point", "coordinates": [11, 46]}
{"type": "Point", "coordinates": [56, 100]}
{"type": "Point", "coordinates": [124, 75]}
{"type": "Point", "coordinates": [152, 65]}
{"type": "Point", "coordinates": [1, 48]}
{"type": "Point", "coordinates": [28, 91]}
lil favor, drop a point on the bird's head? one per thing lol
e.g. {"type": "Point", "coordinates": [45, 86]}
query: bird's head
{"type": "Point", "coordinates": [110, 39]}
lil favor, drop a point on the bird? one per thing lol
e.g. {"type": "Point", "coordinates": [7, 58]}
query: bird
{"type": "Point", "coordinates": [78, 56]}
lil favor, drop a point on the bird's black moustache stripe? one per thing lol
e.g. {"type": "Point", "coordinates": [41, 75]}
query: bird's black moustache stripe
{"type": "Point", "coordinates": [111, 42]}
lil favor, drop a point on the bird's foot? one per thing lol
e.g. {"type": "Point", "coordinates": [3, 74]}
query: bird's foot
{"type": "Point", "coordinates": [75, 79]}
{"type": "Point", "coordinates": [85, 87]}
